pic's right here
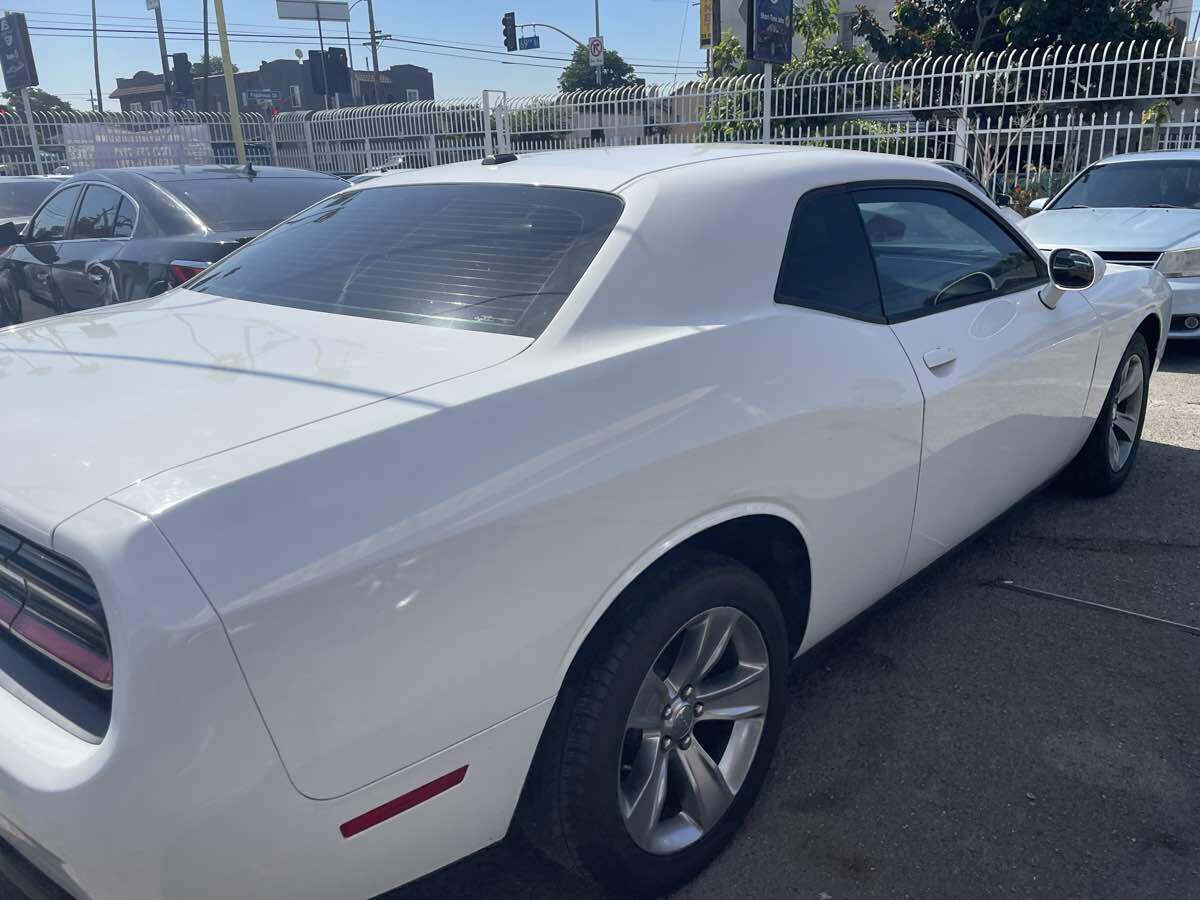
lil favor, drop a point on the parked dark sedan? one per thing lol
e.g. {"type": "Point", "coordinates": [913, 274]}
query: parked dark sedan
{"type": "Point", "coordinates": [123, 234]}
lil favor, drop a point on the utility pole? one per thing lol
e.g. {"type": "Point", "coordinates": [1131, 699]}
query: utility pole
{"type": "Point", "coordinates": [350, 60]}
{"type": "Point", "coordinates": [162, 51]}
{"type": "Point", "coordinates": [374, 47]}
{"type": "Point", "coordinates": [96, 59]}
{"type": "Point", "coordinates": [324, 69]}
{"type": "Point", "coordinates": [206, 67]}
{"type": "Point", "coordinates": [235, 116]}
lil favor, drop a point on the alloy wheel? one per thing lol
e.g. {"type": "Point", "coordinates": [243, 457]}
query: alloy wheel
{"type": "Point", "coordinates": [1126, 412]}
{"type": "Point", "coordinates": [694, 730]}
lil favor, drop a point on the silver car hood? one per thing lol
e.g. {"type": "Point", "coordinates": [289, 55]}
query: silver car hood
{"type": "Point", "coordinates": [1126, 229]}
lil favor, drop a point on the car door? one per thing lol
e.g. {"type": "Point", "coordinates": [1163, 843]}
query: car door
{"type": "Point", "coordinates": [85, 274]}
{"type": "Point", "coordinates": [32, 263]}
{"type": "Point", "coordinates": [1005, 378]}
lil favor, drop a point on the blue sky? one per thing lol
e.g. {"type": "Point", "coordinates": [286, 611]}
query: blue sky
{"type": "Point", "coordinates": [645, 32]}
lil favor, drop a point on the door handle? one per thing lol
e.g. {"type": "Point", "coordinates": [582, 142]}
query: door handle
{"type": "Point", "coordinates": [41, 275]}
{"type": "Point", "coordinates": [95, 278]}
{"type": "Point", "coordinates": [938, 357]}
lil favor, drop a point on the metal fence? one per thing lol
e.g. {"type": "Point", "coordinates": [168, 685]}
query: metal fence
{"type": "Point", "coordinates": [1023, 120]}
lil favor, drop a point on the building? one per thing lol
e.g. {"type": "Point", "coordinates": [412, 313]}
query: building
{"type": "Point", "coordinates": [277, 85]}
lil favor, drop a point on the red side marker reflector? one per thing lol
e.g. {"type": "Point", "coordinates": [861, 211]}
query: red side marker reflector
{"type": "Point", "coordinates": [403, 803]}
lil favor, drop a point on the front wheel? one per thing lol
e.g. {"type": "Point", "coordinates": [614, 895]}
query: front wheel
{"type": "Point", "coordinates": [660, 743]}
{"type": "Point", "coordinates": [1108, 456]}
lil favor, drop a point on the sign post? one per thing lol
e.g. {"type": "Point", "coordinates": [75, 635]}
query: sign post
{"type": "Point", "coordinates": [20, 72]}
{"type": "Point", "coordinates": [595, 49]}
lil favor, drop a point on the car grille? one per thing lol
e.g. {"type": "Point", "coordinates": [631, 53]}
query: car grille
{"type": "Point", "coordinates": [1145, 259]}
{"type": "Point", "coordinates": [54, 643]}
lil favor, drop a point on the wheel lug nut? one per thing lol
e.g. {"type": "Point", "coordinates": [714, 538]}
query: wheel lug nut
{"type": "Point", "coordinates": [666, 712]}
{"type": "Point", "coordinates": [666, 743]}
{"type": "Point", "coordinates": [688, 692]}
{"type": "Point", "coordinates": [699, 710]}
{"type": "Point", "coordinates": [686, 742]}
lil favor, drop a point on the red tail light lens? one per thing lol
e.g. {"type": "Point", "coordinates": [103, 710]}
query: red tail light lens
{"type": "Point", "coordinates": [186, 269]}
{"type": "Point", "coordinates": [51, 605]}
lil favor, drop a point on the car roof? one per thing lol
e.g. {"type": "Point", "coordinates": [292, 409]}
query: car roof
{"type": "Point", "coordinates": [607, 169]}
{"type": "Point", "coordinates": [1153, 156]}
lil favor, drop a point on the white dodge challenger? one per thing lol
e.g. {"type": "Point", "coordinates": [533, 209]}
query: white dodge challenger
{"type": "Point", "coordinates": [504, 494]}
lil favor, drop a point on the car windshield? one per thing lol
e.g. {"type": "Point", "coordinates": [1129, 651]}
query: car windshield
{"type": "Point", "coordinates": [486, 257]}
{"type": "Point", "coordinates": [1164, 183]}
{"type": "Point", "coordinates": [21, 198]}
{"type": "Point", "coordinates": [238, 203]}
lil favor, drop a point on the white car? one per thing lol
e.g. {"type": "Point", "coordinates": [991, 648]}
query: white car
{"type": "Point", "coordinates": [508, 492]}
{"type": "Point", "coordinates": [1135, 209]}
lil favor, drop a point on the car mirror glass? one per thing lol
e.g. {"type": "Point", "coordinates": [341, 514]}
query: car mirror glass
{"type": "Point", "coordinates": [1003, 200]}
{"type": "Point", "coordinates": [9, 234]}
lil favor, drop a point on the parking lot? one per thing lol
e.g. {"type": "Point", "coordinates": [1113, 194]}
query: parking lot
{"type": "Point", "coordinates": [962, 740]}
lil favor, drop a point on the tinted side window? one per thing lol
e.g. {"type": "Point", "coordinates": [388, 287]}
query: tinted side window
{"type": "Point", "coordinates": [936, 248]}
{"type": "Point", "coordinates": [97, 214]}
{"type": "Point", "coordinates": [51, 223]}
{"type": "Point", "coordinates": [827, 264]}
{"type": "Point", "coordinates": [126, 215]}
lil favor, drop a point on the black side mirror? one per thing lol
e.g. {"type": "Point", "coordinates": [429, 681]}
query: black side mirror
{"type": "Point", "coordinates": [1003, 200]}
{"type": "Point", "coordinates": [10, 234]}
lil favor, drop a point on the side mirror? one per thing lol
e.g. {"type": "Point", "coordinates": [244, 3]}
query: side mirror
{"type": "Point", "coordinates": [1003, 200]}
{"type": "Point", "coordinates": [1038, 205]}
{"type": "Point", "coordinates": [10, 234]}
{"type": "Point", "coordinates": [1071, 270]}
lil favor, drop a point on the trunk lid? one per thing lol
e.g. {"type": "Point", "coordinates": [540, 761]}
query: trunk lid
{"type": "Point", "coordinates": [96, 401]}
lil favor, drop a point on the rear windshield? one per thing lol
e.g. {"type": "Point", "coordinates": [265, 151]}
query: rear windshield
{"type": "Point", "coordinates": [1164, 183]}
{"type": "Point", "coordinates": [21, 198]}
{"type": "Point", "coordinates": [480, 256]}
{"type": "Point", "coordinates": [250, 204]}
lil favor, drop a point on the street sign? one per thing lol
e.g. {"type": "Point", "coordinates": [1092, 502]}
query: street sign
{"type": "Point", "coordinates": [770, 31]}
{"type": "Point", "coordinates": [595, 48]}
{"type": "Point", "coordinates": [313, 10]}
{"type": "Point", "coordinates": [529, 43]}
{"type": "Point", "coordinates": [265, 96]}
{"type": "Point", "coordinates": [16, 53]}
{"type": "Point", "coordinates": [151, 4]}
{"type": "Point", "coordinates": [706, 23]}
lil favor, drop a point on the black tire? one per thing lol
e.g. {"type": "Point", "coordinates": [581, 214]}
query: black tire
{"type": "Point", "coordinates": [570, 808]}
{"type": "Point", "coordinates": [1092, 472]}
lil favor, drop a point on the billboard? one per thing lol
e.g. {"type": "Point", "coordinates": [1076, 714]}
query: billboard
{"type": "Point", "coordinates": [16, 53]}
{"type": "Point", "coordinates": [769, 31]}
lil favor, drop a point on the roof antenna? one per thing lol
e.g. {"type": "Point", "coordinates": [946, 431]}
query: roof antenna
{"type": "Point", "coordinates": [250, 169]}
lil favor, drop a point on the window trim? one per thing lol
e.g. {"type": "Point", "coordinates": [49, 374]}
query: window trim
{"type": "Point", "coordinates": [784, 299]}
{"type": "Point", "coordinates": [849, 187]}
{"type": "Point", "coordinates": [137, 212]}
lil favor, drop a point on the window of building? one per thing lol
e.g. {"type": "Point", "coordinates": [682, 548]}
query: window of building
{"type": "Point", "coordinates": [412, 95]}
{"type": "Point", "coordinates": [156, 106]}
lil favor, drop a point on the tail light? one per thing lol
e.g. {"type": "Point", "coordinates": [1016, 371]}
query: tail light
{"type": "Point", "coordinates": [186, 269]}
{"type": "Point", "coordinates": [52, 605]}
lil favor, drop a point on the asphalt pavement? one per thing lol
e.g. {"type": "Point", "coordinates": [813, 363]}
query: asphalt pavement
{"type": "Point", "coordinates": [962, 740]}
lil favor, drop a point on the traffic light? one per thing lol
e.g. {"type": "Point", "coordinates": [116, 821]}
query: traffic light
{"type": "Point", "coordinates": [509, 21]}
{"type": "Point", "coordinates": [181, 74]}
{"type": "Point", "coordinates": [316, 71]}
{"type": "Point", "coordinates": [337, 71]}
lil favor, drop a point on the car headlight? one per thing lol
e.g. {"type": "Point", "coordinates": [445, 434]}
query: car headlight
{"type": "Point", "coordinates": [1180, 263]}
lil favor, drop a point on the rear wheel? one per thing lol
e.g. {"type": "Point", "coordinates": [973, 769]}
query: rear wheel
{"type": "Point", "coordinates": [1108, 456]}
{"type": "Point", "coordinates": [660, 742]}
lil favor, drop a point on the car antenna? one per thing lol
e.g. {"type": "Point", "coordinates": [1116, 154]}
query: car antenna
{"type": "Point", "coordinates": [250, 169]}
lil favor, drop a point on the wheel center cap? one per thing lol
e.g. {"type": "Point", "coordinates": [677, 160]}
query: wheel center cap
{"type": "Point", "coordinates": [682, 718]}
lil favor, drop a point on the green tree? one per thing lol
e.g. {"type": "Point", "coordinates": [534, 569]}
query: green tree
{"type": "Point", "coordinates": [215, 66]}
{"type": "Point", "coordinates": [938, 27]}
{"type": "Point", "coordinates": [580, 76]}
{"type": "Point", "coordinates": [39, 101]}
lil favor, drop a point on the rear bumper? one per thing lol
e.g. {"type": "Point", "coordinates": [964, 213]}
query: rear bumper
{"type": "Point", "coordinates": [185, 796]}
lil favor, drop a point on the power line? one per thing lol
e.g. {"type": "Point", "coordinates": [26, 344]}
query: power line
{"type": "Point", "coordinates": [54, 30]}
